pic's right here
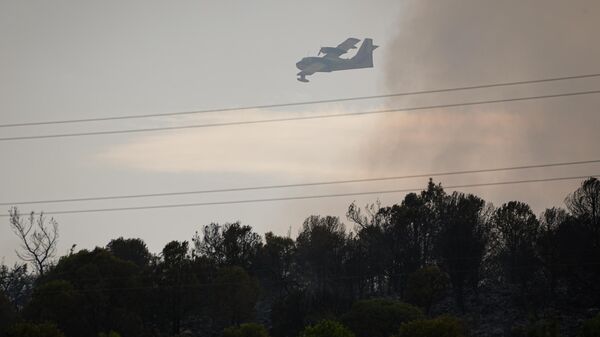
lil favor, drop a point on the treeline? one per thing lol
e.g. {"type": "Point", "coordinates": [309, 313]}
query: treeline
{"type": "Point", "coordinates": [430, 247]}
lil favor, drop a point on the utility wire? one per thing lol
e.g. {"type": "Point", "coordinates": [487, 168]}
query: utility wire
{"type": "Point", "coordinates": [304, 197]}
{"type": "Point", "coordinates": [277, 105]}
{"type": "Point", "coordinates": [288, 119]}
{"type": "Point", "coordinates": [334, 182]}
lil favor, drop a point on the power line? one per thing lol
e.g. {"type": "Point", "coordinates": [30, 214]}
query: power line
{"type": "Point", "coordinates": [278, 105]}
{"type": "Point", "coordinates": [334, 182]}
{"type": "Point", "coordinates": [305, 197]}
{"type": "Point", "coordinates": [288, 119]}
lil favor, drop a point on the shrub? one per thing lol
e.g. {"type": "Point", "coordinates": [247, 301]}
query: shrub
{"type": "Point", "coordinates": [246, 330]}
{"type": "Point", "coordinates": [444, 326]}
{"type": "Point", "coordinates": [326, 328]}
{"type": "Point", "coordinates": [591, 327]}
{"type": "Point", "coordinates": [34, 330]}
{"type": "Point", "coordinates": [109, 334]}
{"type": "Point", "coordinates": [379, 317]}
{"type": "Point", "coordinates": [426, 286]}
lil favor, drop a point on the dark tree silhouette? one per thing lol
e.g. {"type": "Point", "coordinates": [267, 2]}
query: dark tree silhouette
{"type": "Point", "coordinates": [177, 282]}
{"type": "Point", "coordinates": [579, 238]}
{"type": "Point", "coordinates": [426, 286]}
{"type": "Point", "coordinates": [584, 204]}
{"type": "Point", "coordinates": [548, 245]}
{"type": "Point", "coordinates": [234, 296]}
{"type": "Point", "coordinates": [16, 283]}
{"type": "Point", "coordinates": [517, 230]}
{"type": "Point", "coordinates": [320, 248]}
{"type": "Point", "coordinates": [462, 240]}
{"type": "Point", "coordinates": [229, 245]}
{"type": "Point", "coordinates": [410, 229]}
{"type": "Point", "coordinates": [94, 286]}
{"type": "Point", "coordinates": [7, 314]}
{"type": "Point", "coordinates": [368, 251]}
{"type": "Point", "coordinates": [276, 263]}
{"type": "Point", "coordinates": [407, 251]}
{"type": "Point", "coordinates": [133, 250]}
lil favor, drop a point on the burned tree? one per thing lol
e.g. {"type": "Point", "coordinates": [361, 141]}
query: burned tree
{"type": "Point", "coordinates": [38, 236]}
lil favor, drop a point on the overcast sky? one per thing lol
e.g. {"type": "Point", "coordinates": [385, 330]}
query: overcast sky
{"type": "Point", "coordinates": [81, 59]}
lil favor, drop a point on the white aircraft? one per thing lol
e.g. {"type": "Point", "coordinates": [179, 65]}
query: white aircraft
{"type": "Point", "coordinates": [332, 61]}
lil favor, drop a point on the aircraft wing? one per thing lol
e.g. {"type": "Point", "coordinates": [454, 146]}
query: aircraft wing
{"type": "Point", "coordinates": [350, 43]}
{"type": "Point", "coordinates": [342, 48]}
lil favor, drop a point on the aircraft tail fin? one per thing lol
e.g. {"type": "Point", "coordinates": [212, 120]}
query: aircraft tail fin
{"type": "Point", "coordinates": [364, 55]}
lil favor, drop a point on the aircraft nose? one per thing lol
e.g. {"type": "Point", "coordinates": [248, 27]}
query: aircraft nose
{"type": "Point", "coordinates": [299, 65]}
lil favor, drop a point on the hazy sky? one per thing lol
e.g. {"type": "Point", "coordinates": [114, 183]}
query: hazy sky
{"type": "Point", "coordinates": [82, 59]}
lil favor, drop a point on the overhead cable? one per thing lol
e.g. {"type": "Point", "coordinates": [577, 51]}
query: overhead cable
{"type": "Point", "coordinates": [320, 183]}
{"type": "Point", "coordinates": [299, 118]}
{"type": "Point", "coordinates": [278, 105]}
{"type": "Point", "coordinates": [303, 197]}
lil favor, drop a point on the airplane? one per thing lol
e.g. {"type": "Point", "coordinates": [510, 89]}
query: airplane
{"type": "Point", "coordinates": [332, 61]}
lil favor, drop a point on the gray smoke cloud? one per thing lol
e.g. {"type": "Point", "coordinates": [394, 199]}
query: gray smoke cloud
{"type": "Point", "coordinates": [464, 42]}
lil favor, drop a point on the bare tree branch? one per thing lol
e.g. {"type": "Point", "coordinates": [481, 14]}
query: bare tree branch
{"type": "Point", "coordinates": [38, 238]}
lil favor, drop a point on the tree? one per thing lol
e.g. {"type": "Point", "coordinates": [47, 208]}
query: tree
{"type": "Point", "coordinates": [234, 296]}
{"type": "Point", "coordinates": [368, 252]}
{"type": "Point", "coordinates": [379, 317]}
{"type": "Point", "coordinates": [101, 290]}
{"type": "Point", "coordinates": [7, 314]}
{"type": "Point", "coordinates": [326, 328]}
{"type": "Point", "coordinates": [372, 216]}
{"type": "Point", "coordinates": [584, 204]}
{"type": "Point", "coordinates": [366, 260]}
{"type": "Point", "coordinates": [289, 314]}
{"type": "Point", "coordinates": [462, 240]}
{"type": "Point", "coordinates": [246, 330]}
{"type": "Point", "coordinates": [444, 326]}
{"type": "Point", "coordinates": [133, 250]}
{"type": "Point", "coordinates": [38, 237]}
{"type": "Point", "coordinates": [177, 281]}
{"type": "Point", "coordinates": [411, 229]}
{"type": "Point", "coordinates": [548, 244]}
{"type": "Point", "coordinates": [320, 248]}
{"type": "Point", "coordinates": [275, 262]}
{"type": "Point", "coordinates": [58, 301]}
{"type": "Point", "coordinates": [16, 283]}
{"type": "Point", "coordinates": [517, 230]}
{"type": "Point", "coordinates": [426, 286]}
{"type": "Point", "coordinates": [229, 245]}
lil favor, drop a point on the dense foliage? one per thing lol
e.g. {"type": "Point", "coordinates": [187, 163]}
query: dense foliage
{"type": "Point", "coordinates": [426, 286]}
{"type": "Point", "coordinates": [441, 252]}
{"type": "Point", "coordinates": [379, 317]}
{"type": "Point", "coordinates": [34, 330]}
{"type": "Point", "coordinates": [591, 327]}
{"type": "Point", "coordinates": [326, 328]}
{"type": "Point", "coordinates": [444, 326]}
